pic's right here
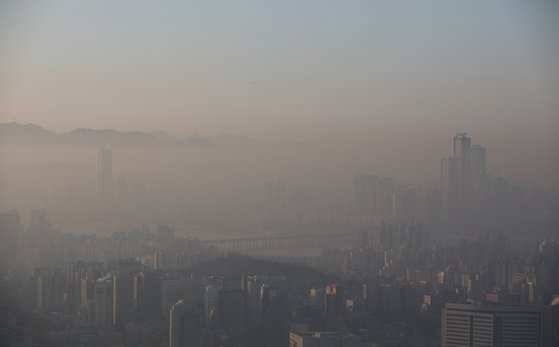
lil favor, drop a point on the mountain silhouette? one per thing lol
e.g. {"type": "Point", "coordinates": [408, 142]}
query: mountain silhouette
{"type": "Point", "coordinates": [32, 134]}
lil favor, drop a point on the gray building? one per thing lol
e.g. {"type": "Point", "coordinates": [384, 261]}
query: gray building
{"type": "Point", "coordinates": [185, 326]}
{"type": "Point", "coordinates": [465, 325]}
{"type": "Point", "coordinates": [103, 301]}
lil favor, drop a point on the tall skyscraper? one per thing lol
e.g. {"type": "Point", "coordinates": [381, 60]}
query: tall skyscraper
{"type": "Point", "coordinates": [462, 155]}
{"type": "Point", "coordinates": [105, 188]}
{"type": "Point", "coordinates": [464, 181]}
{"type": "Point", "coordinates": [464, 325]}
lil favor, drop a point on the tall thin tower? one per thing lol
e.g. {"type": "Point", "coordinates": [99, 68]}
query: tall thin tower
{"type": "Point", "coordinates": [105, 188]}
{"type": "Point", "coordinates": [462, 154]}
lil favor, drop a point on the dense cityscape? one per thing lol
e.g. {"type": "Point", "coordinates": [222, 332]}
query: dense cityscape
{"type": "Point", "coordinates": [279, 173]}
{"type": "Point", "coordinates": [390, 279]}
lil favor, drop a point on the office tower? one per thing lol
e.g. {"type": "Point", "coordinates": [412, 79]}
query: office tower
{"type": "Point", "coordinates": [185, 326]}
{"type": "Point", "coordinates": [496, 325]}
{"type": "Point", "coordinates": [105, 189]}
{"type": "Point", "coordinates": [103, 301]}
{"type": "Point", "coordinates": [231, 314]}
{"type": "Point", "coordinates": [49, 285]}
{"type": "Point", "coordinates": [449, 188]}
{"type": "Point", "coordinates": [462, 155]}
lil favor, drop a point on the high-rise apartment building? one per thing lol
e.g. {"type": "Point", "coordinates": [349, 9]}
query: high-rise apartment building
{"type": "Point", "coordinates": [123, 288]}
{"type": "Point", "coordinates": [275, 316]}
{"type": "Point", "coordinates": [103, 301]}
{"type": "Point", "coordinates": [49, 285]}
{"type": "Point", "coordinates": [87, 300]}
{"type": "Point", "coordinates": [465, 183]}
{"type": "Point", "coordinates": [145, 293]}
{"type": "Point", "coordinates": [185, 326]}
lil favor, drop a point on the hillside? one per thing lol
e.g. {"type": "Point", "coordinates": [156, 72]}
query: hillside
{"type": "Point", "coordinates": [237, 265]}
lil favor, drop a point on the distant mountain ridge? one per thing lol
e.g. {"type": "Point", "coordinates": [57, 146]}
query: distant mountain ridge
{"type": "Point", "coordinates": [15, 133]}
{"type": "Point", "coordinates": [32, 134]}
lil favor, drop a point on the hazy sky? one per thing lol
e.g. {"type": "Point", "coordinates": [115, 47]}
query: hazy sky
{"type": "Point", "coordinates": [358, 70]}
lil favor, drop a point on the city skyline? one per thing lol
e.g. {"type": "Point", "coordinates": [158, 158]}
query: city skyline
{"type": "Point", "coordinates": [279, 173]}
{"type": "Point", "coordinates": [359, 154]}
{"type": "Point", "coordinates": [354, 77]}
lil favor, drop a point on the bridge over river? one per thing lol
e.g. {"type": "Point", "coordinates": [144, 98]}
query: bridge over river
{"type": "Point", "coordinates": [308, 241]}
